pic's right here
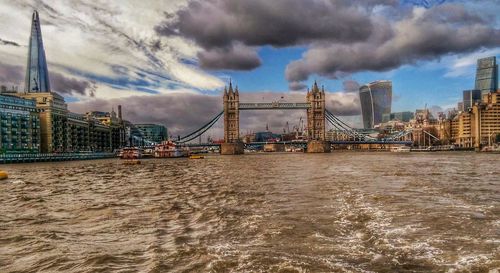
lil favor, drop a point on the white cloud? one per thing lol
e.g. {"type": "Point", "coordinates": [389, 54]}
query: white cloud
{"type": "Point", "coordinates": [89, 38]}
{"type": "Point", "coordinates": [462, 65]}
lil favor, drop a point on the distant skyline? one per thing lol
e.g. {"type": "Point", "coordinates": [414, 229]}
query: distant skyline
{"type": "Point", "coordinates": [173, 54]}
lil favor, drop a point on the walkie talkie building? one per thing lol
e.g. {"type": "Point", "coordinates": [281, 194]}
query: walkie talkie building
{"type": "Point", "coordinates": [37, 74]}
{"type": "Point", "coordinates": [376, 100]}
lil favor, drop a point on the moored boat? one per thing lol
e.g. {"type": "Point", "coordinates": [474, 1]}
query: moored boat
{"type": "Point", "coordinates": [401, 149]}
{"type": "Point", "coordinates": [131, 153]}
{"type": "Point", "coordinates": [170, 149]}
{"type": "Point", "coordinates": [491, 149]}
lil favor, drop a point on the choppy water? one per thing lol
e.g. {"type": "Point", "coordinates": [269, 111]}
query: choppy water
{"type": "Point", "coordinates": [339, 212]}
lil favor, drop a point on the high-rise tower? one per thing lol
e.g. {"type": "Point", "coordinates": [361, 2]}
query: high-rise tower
{"type": "Point", "coordinates": [487, 75]}
{"type": "Point", "coordinates": [37, 74]}
{"type": "Point", "coordinates": [376, 99]}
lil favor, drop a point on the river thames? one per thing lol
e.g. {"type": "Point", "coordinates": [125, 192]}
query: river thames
{"type": "Point", "coordinates": [338, 212]}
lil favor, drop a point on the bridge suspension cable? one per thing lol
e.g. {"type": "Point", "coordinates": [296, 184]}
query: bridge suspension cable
{"type": "Point", "coordinates": [336, 122]}
{"type": "Point", "coordinates": [201, 130]}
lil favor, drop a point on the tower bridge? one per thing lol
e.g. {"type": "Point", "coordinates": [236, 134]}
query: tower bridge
{"type": "Point", "coordinates": [317, 118]}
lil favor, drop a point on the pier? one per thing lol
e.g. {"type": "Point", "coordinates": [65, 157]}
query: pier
{"type": "Point", "coordinates": [43, 157]}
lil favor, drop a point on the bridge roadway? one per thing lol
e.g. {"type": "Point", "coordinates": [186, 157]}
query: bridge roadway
{"type": "Point", "coordinates": [305, 142]}
{"type": "Point", "coordinates": [273, 105]}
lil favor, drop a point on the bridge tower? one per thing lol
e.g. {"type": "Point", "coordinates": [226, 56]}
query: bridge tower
{"type": "Point", "coordinates": [231, 114]}
{"type": "Point", "coordinates": [232, 143]}
{"type": "Point", "coordinates": [316, 113]}
{"type": "Point", "coordinates": [316, 127]}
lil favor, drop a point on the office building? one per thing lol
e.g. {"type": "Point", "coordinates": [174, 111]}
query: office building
{"type": "Point", "coordinates": [153, 132]}
{"type": "Point", "coordinates": [64, 131]}
{"type": "Point", "coordinates": [487, 75]}
{"type": "Point", "coordinates": [19, 125]}
{"type": "Point", "coordinates": [114, 122]}
{"type": "Point", "coordinates": [399, 116]}
{"type": "Point", "coordinates": [470, 97]}
{"type": "Point", "coordinates": [376, 100]}
{"type": "Point", "coordinates": [37, 74]}
{"type": "Point", "coordinates": [479, 125]}
{"type": "Point", "coordinates": [53, 119]}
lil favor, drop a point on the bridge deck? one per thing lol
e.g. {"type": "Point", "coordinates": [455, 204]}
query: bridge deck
{"type": "Point", "coordinates": [305, 142]}
{"type": "Point", "coordinates": [273, 105]}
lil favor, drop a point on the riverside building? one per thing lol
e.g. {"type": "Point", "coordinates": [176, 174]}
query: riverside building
{"type": "Point", "coordinates": [19, 125]}
{"type": "Point", "coordinates": [39, 120]}
{"type": "Point", "coordinates": [153, 132]}
{"type": "Point", "coordinates": [64, 131]}
{"type": "Point", "coordinates": [478, 126]}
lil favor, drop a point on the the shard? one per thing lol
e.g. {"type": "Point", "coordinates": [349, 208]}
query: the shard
{"type": "Point", "coordinates": [37, 75]}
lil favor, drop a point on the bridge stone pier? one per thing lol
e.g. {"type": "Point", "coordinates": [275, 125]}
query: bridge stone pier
{"type": "Point", "coordinates": [315, 106]}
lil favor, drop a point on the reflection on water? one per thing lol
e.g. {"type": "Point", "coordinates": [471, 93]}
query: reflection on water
{"type": "Point", "coordinates": [339, 212]}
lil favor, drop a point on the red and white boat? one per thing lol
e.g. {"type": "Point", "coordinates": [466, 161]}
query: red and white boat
{"type": "Point", "coordinates": [170, 149]}
{"type": "Point", "coordinates": [131, 153]}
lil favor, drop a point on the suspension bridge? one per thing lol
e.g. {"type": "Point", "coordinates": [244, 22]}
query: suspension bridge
{"type": "Point", "coordinates": [317, 119]}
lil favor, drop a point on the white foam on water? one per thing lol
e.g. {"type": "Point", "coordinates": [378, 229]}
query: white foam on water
{"type": "Point", "coordinates": [468, 263]}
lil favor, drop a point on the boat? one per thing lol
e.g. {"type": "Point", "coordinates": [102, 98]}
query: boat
{"type": "Point", "coordinates": [401, 149]}
{"type": "Point", "coordinates": [196, 157]}
{"type": "Point", "coordinates": [170, 149]}
{"type": "Point", "coordinates": [131, 153]}
{"type": "Point", "coordinates": [132, 162]}
{"type": "Point", "coordinates": [491, 149]}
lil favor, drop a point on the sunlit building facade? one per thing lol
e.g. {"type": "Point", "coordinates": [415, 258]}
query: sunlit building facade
{"type": "Point", "coordinates": [479, 125]}
{"type": "Point", "coordinates": [376, 100]}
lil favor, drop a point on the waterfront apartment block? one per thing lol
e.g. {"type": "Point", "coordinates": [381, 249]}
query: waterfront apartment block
{"type": "Point", "coordinates": [479, 125]}
{"type": "Point", "coordinates": [63, 131]}
{"type": "Point", "coordinates": [19, 125]}
{"type": "Point", "coordinates": [53, 119]}
{"type": "Point", "coordinates": [114, 122]}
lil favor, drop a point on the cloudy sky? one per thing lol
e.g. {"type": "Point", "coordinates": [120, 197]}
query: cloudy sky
{"type": "Point", "coordinates": [168, 61]}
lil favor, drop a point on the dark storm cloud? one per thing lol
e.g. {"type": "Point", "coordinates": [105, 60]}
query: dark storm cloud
{"type": "Point", "coordinates": [64, 85]}
{"type": "Point", "coordinates": [14, 75]}
{"type": "Point", "coordinates": [219, 23]}
{"type": "Point", "coordinates": [297, 86]}
{"type": "Point", "coordinates": [180, 112]}
{"type": "Point", "coordinates": [183, 113]}
{"type": "Point", "coordinates": [237, 57]}
{"type": "Point", "coordinates": [11, 74]}
{"type": "Point", "coordinates": [227, 29]}
{"type": "Point", "coordinates": [342, 37]}
{"type": "Point", "coordinates": [425, 35]}
{"type": "Point", "coordinates": [350, 86]}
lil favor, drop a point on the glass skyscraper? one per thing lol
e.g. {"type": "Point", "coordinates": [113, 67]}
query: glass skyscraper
{"type": "Point", "coordinates": [376, 100]}
{"type": "Point", "coordinates": [487, 75]}
{"type": "Point", "coordinates": [37, 74]}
